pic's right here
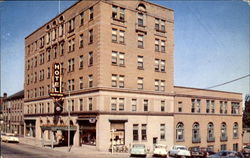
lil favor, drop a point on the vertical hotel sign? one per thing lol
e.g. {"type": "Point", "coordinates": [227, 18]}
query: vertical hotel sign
{"type": "Point", "coordinates": [56, 90]}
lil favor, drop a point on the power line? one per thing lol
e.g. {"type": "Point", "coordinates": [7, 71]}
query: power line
{"type": "Point", "coordinates": [218, 85]}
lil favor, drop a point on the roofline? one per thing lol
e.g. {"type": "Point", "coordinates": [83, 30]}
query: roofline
{"type": "Point", "coordinates": [56, 17]}
{"type": "Point", "coordinates": [207, 90]}
{"type": "Point", "coordinates": [15, 96]}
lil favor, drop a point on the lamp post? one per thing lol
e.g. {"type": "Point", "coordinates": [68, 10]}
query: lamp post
{"type": "Point", "coordinates": [69, 125]}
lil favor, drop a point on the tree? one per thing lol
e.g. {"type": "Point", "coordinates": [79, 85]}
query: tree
{"type": "Point", "coordinates": [246, 113]}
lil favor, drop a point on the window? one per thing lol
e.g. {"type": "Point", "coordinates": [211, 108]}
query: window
{"type": "Point", "coordinates": [162, 65]}
{"type": "Point", "coordinates": [157, 24]}
{"type": "Point", "coordinates": [47, 37]}
{"type": "Point", "coordinates": [90, 104]}
{"type": "Point", "coordinates": [144, 132]}
{"type": "Point", "coordinates": [81, 40]}
{"type": "Point", "coordinates": [114, 12]}
{"type": "Point", "coordinates": [210, 132]}
{"type": "Point", "coordinates": [162, 88]}
{"type": "Point", "coordinates": [223, 147]}
{"type": "Point", "coordinates": [91, 13]}
{"type": "Point", "coordinates": [121, 81]}
{"type": "Point", "coordinates": [223, 132]}
{"type": "Point", "coordinates": [122, 14]}
{"type": "Point", "coordinates": [114, 35]}
{"type": "Point", "coordinates": [163, 28]}
{"type": "Point", "coordinates": [48, 74]}
{"type": "Point", "coordinates": [61, 26]}
{"type": "Point", "coordinates": [61, 48]}
{"type": "Point", "coordinates": [90, 81]}
{"type": "Point", "coordinates": [48, 57]}
{"type": "Point", "coordinates": [208, 106]}
{"type": "Point", "coordinates": [121, 104]}
{"type": "Point", "coordinates": [196, 133]}
{"type": "Point", "coordinates": [81, 18]}
{"type": "Point", "coordinates": [91, 58]}
{"type": "Point", "coordinates": [115, 15]}
{"type": "Point", "coordinates": [81, 62]}
{"type": "Point", "coordinates": [157, 85]}
{"type": "Point", "coordinates": [48, 107]}
{"type": "Point", "coordinates": [157, 64]}
{"type": "Point", "coordinates": [81, 104]}
{"type": "Point", "coordinates": [163, 47]}
{"type": "Point", "coordinates": [163, 105]}
{"type": "Point", "coordinates": [121, 59]}
{"type": "Point", "coordinates": [71, 45]}
{"type": "Point", "coordinates": [145, 105]}
{"type": "Point", "coordinates": [91, 36]}
{"type": "Point", "coordinates": [235, 147]}
{"type": "Point", "coordinates": [162, 131]}
{"type": "Point", "coordinates": [71, 65]}
{"type": "Point", "coordinates": [55, 52]}
{"type": "Point", "coordinates": [179, 132]}
{"type": "Point", "coordinates": [179, 106]}
{"type": "Point", "coordinates": [196, 104]}
{"type": "Point", "coordinates": [114, 80]}
{"type": "Point", "coordinates": [53, 36]}
{"type": "Point", "coordinates": [235, 130]}
{"type": "Point", "coordinates": [140, 41]}
{"type": "Point", "coordinates": [113, 104]}
{"type": "Point", "coordinates": [114, 58]}
{"type": "Point", "coordinates": [81, 82]}
{"type": "Point", "coordinates": [139, 83]}
{"type": "Point", "coordinates": [135, 132]}
{"type": "Point", "coordinates": [134, 104]}
{"type": "Point", "coordinates": [72, 105]}
{"type": "Point", "coordinates": [62, 69]}
{"type": "Point", "coordinates": [140, 19]}
{"type": "Point", "coordinates": [140, 62]}
{"type": "Point", "coordinates": [71, 25]}
{"type": "Point", "coordinates": [122, 37]}
{"type": "Point", "coordinates": [235, 108]}
{"type": "Point", "coordinates": [212, 106]}
{"type": "Point", "coordinates": [157, 45]}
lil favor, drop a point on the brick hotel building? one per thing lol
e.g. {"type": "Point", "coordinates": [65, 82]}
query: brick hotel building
{"type": "Point", "coordinates": [116, 61]}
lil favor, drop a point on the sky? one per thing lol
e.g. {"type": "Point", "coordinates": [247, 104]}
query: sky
{"type": "Point", "coordinates": [211, 41]}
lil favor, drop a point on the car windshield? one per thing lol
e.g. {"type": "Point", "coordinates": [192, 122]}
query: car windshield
{"type": "Point", "coordinates": [138, 146]}
{"type": "Point", "coordinates": [181, 148]}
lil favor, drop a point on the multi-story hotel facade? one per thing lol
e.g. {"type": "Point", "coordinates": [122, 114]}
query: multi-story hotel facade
{"type": "Point", "coordinates": [116, 66]}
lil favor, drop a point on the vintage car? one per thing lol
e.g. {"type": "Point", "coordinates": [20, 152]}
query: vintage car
{"type": "Point", "coordinates": [198, 152]}
{"type": "Point", "coordinates": [179, 150]}
{"type": "Point", "coordinates": [9, 137]}
{"type": "Point", "coordinates": [160, 150]}
{"type": "Point", "coordinates": [138, 150]}
{"type": "Point", "coordinates": [227, 154]}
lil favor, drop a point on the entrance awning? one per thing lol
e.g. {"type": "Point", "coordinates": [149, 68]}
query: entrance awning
{"type": "Point", "coordinates": [55, 128]}
{"type": "Point", "coordinates": [118, 120]}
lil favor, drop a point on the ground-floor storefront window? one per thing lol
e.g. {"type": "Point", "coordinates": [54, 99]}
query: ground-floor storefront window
{"type": "Point", "coordinates": [30, 128]}
{"type": "Point", "coordinates": [87, 132]}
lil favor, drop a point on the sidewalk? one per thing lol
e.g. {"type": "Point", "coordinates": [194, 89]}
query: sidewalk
{"type": "Point", "coordinates": [77, 150]}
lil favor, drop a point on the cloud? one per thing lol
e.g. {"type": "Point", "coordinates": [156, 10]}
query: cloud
{"type": "Point", "coordinates": [248, 1]}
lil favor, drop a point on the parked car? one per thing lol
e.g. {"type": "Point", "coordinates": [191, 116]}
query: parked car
{"type": "Point", "coordinates": [227, 154]}
{"type": "Point", "coordinates": [246, 149]}
{"type": "Point", "coordinates": [198, 152]}
{"type": "Point", "coordinates": [160, 150]}
{"type": "Point", "coordinates": [138, 150]}
{"type": "Point", "coordinates": [179, 150]}
{"type": "Point", "coordinates": [9, 137]}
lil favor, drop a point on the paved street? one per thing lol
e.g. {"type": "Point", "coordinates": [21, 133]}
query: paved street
{"type": "Point", "coordinates": [12, 150]}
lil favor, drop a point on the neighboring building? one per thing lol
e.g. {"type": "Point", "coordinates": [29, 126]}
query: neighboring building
{"type": "Point", "coordinates": [246, 136]}
{"type": "Point", "coordinates": [1, 110]}
{"type": "Point", "coordinates": [208, 118]}
{"type": "Point", "coordinates": [116, 61]}
{"type": "Point", "coordinates": [13, 113]}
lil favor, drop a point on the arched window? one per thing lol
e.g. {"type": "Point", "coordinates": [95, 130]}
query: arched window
{"type": "Point", "coordinates": [235, 130]}
{"type": "Point", "coordinates": [180, 131]}
{"type": "Point", "coordinates": [210, 132]}
{"type": "Point", "coordinates": [223, 132]}
{"type": "Point", "coordinates": [141, 15]}
{"type": "Point", "coordinates": [196, 133]}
